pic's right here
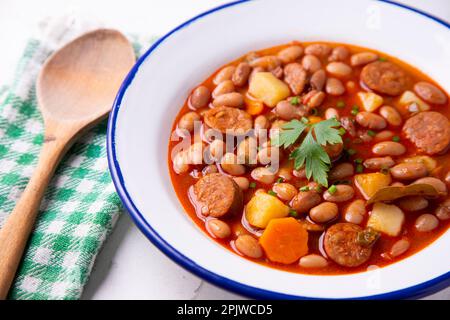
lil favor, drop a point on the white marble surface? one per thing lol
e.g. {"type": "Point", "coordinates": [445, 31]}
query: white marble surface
{"type": "Point", "coordinates": [129, 267]}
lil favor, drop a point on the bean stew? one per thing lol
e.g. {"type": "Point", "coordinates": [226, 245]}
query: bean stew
{"type": "Point", "coordinates": [317, 158]}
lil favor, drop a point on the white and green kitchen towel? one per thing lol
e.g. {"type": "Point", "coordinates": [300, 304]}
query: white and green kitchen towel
{"type": "Point", "coordinates": [80, 206]}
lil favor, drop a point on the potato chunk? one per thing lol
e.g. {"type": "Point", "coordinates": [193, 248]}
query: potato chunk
{"type": "Point", "coordinates": [369, 183]}
{"type": "Point", "coordinates": [370, 101]}
{"type": "Point", "coordinates": [262, 208]}
{"type": "Point", "coordinates": [269, 89]}
{"type": "Point", "coordinates": [386, 218]}
{"type": "Point", "coordinates": [409, 97]}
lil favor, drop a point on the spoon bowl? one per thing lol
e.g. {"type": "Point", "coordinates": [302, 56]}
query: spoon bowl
{"type": "Point", "coordinates": [75, 90]}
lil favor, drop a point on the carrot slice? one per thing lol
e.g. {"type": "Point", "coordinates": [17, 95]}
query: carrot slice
{"type": "Point", "coordinates": [284, 240]}
{"type": "Point", "coordinates": [252, 106]}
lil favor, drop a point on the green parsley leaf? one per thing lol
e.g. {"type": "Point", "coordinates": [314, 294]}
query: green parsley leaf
{"type": "Point", "coordinates": [326, 132]}
{"type": "Point", "coordinates": [289, 134]}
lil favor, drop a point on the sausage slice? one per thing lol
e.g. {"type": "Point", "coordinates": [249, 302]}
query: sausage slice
{"type": "Point", "coordinates": [384, 77]}
{"type": "Point", "coordinates": [216, 195]}
{"type": "Point", "coordinates": [229, 120]}
{"type": "Point", "coordinates": [342, 246]}
{"type": "Point", "coordinates": [429, 131]}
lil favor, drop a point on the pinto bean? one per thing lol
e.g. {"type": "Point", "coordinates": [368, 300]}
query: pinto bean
{"type": "Point", "coordinates": [388, 148]}
{"type": "Point", "coordinates": [200, 97]}
{"type": "Point", "coordinates": [331, 113]}
{"type": "Point", "coordinates": [290, 54]}
{"type": "Point", "coordinates": [430, 93]}
{"type": "Point", "coordinates": [285, 173]}
{"type": "Point", "coordinates": [334, 87]}
{"type": "Point", "coordinates": [311, 63]}
{"type": "Point", "coordinates": [231, 166]}
{"type": "Point", "coordinates": [320, 50]}
{"type": "Point", "coordinates": [370, 120]}
{"type": "Point", "coordinates": [248, 246]}
{"type": "Point", "coordinates": [426, 222]}
{"type": "Point", "coordinates": [217, 149]}
{"type": "Point", "coordinates": [224, 87]}
{"type": "Point", "coordinates": [247, 151]}
{"type": "Point", "coordinates": [413, 203]}
{"type": "Point", "coordinates": [286, 111]}
{"type": "Point", "coordinates": [318, 79]}
{"type": "Point", "coordinates": [443, 211]}
{"type": "Point", "coordinates": [362, 58]}
{"type": "Point", "coordinates": [188, 120]}
{"type": "Point", "coordinates": [313, 99]}
{"type": "Point", "coordinates": [263, 175]}
{"type": "Point", "coordinates": [180, 162]}
{"type": "Point", "coordinates": [269, 155]}
{"type": "Point", "coordinates": [378, 163]}
{"type": "Point", "coordinates": [341, 171]}
{"type": "Point", "coordinates": [241, 74]}
{"type": "Point", "coordinates": [218, 229]}
{"type": "Point", "coordinates": [391, 115]}
{"type": "Point", "coordinates": [334, 151]}
{"type": "Point", "coordinates": [447, 178]}
{"type": "Point", "coordinates": [295, 76]}
{"type": "Point", "coordinates": [278, 72]}
{"type": "Point", "coordinates": [313, 261]}
{"type": "Point", "coordinates": [355, 212]}
{"type": "Point", "coordinates": [232, 99]}
{"type": "Point", "coordinates": [242, 182]}
{"type": "Point", "coordinates": [343, 193]}
{"type": "Point", "coordinates": [440, 186]}
{"type": "Point", "coordinates": [224, 74]}
{"type": "Point", "coordinates": [409, 171]}
{"type": "Point", "coordinates": [340, 53]}
{"type": "Point", "coordinates": [305, 200]}
{"type": "Point", "coordinates": [324, 212]}
{"type": "Point", "coordinates": [285, 191]}
{"type": "Point", "coordinates": [339, 69]}
{"type": "Point", "coordinates": [384, 135]}
{"type": "Point", "coordinates": [266, 62]}
{"type": "Point", "coordinates": [399, 247]}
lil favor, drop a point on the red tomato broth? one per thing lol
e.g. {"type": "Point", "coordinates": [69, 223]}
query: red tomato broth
{"type": "Point", "coordinates": [418, 240]}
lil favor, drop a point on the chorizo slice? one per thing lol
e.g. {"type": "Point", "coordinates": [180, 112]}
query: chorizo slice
{"type": "Point", "coordinates": [295, 77]}
{"type": "Point", "coordinates": [429, 131]}
{"type": "Point", "coordinates": [217, 195]}
{"type": "Point", "coordinates": [229, 120]}
{"type": "Point", "coordinates": [384, 77]}
{"type": "Point", "coordinates": [342, 245]}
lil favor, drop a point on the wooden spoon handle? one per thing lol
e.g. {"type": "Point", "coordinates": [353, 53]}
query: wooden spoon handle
{"type": "Point", "coordinates": [17, 228]}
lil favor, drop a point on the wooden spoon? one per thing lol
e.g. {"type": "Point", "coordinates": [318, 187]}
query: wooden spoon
{"type": "Point", "coordinates": [75, 90]}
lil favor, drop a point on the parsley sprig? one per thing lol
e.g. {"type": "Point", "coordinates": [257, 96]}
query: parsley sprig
{"type": "Point", "coordinates": [310, 153]}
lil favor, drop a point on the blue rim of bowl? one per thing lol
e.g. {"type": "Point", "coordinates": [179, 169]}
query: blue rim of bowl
{"type": "Point", "coordinates": [416, 291]}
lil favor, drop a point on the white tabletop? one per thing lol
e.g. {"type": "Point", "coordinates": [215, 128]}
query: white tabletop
{"type": "Point", "coordinates": [129, 266]}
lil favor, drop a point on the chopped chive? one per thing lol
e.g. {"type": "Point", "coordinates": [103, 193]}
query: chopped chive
{"type": "Point", "coordinates": [355, 110]}
{"type": "Point", "coordinates": [272, 193]}
{"type": "Point", "coordinates": [304, 120]}
{"type": "Point", "coordinates": [351, 152]}
{"type": "Point", "coordinates": [396, 138]}
{"type": "Point", "coordinates": [252, 185]}
{"type": "Point", "coordinates": [332, 189]}
{"type": "Point", "coordinates": [304, 188]}
{"type": "Point", "coordinates": [382, 59]}
{"type": "Point", "coordinates": [384, 170]}
{"type": "Point", "coordinates": [280, 180]}
{"type": "Point", "coordinates": [359, 168]}
{"type": "Point", "coordinates": [293, 213]}
{"type": "Point", "coordinates": [371, 133]}
{"type": "Point", "coordinates": [342, 131]}
{"type": "Point", "coordinates": [358, 161]}
{"type": "Point", "coordinates": [314, 112]}
{"type": "Point", "coordinates": [340, 104]}
{"type": "Point", "coordinates": [295, 101]}
{"type": "Point", "coordinates": [318, 189]}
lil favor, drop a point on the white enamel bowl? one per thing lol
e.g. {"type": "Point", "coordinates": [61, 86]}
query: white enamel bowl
{"type": "Point", "coordinates": [156, 87]}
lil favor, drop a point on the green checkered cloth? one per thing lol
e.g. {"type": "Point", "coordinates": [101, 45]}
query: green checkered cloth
{"type": "Point", "coordinates": [80, 206]}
